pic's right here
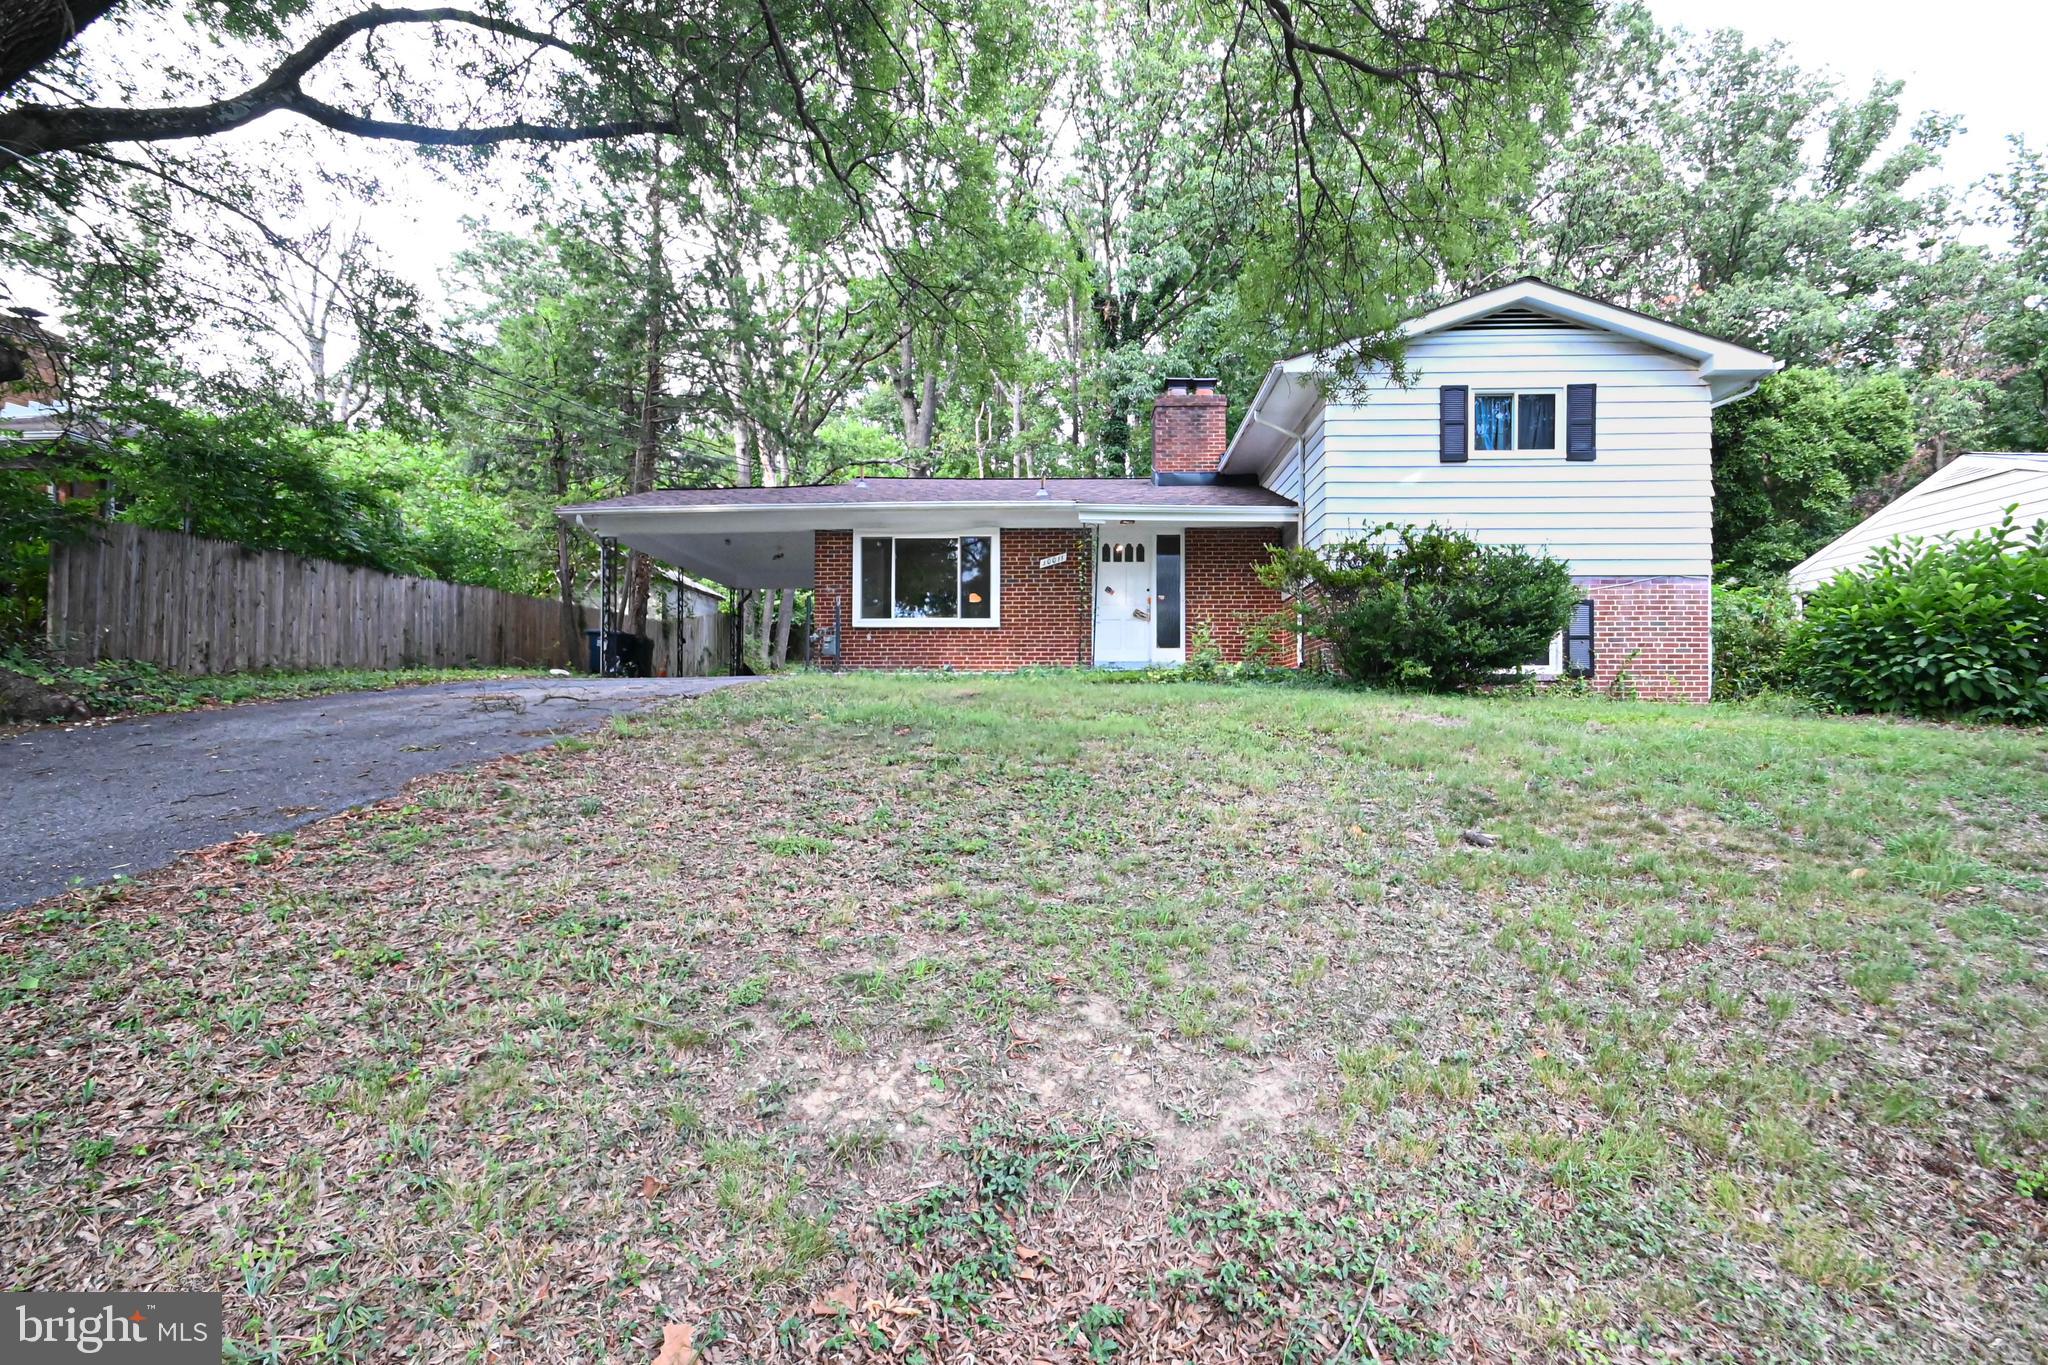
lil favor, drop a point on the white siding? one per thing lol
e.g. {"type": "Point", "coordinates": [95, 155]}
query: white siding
{"type": "Point", "coordinates": [1644, 507]}
{"type": "Point", "coordinates": [1283, 476]}
{"type": "Point", "coordinates": [1969, 495]}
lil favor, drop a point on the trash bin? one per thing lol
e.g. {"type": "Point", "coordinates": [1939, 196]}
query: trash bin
{"type": "Point", "coordinates": [632, 656]}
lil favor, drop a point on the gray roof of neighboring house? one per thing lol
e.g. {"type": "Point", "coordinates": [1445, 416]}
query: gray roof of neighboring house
{"type": "Point", "coordinates": [1970, 493]}
{"type": "Point", "coordinates": [1112, 492]}
{"type": "Point", "coordinates": [32, 421]}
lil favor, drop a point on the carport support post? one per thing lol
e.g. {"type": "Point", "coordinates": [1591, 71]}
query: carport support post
{"type": "Point", "coordinates": [607, 617]}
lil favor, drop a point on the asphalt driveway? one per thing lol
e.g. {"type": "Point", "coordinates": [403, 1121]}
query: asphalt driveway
{"type": "Point", "coordinates": [85, 805]}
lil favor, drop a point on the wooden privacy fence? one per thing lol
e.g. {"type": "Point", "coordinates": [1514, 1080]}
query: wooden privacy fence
{"type": "Point", "coordinates": [208, 606]}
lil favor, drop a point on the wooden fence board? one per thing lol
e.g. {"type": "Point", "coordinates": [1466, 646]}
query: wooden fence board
{"type": "Point", "coordinates": [204, 606]}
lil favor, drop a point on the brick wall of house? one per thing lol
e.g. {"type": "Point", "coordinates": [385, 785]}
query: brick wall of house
{"type": "Point", "coordinates": [1044, 612]}
{"type": "Point", "coordinates": [1223, 592]}
{"type": "Point", "coordinates": [1657, 631]}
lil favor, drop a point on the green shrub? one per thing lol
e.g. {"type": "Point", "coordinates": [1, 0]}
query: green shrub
{"type": "Point", "coordinates": [1752, 631]}
{"type": "Point", "coordinates": [1425, 607]}
{"type": "Point", "coordinates": [1950, 630]}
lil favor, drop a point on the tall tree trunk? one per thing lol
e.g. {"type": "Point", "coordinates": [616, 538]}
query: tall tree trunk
{"type": "Point", "coordinates": [743, 477]}
{"type": "Point", "coordinates": [743, 454]}
{"type": "Point", "coordinates": [640, 569]}
{"type": "Point", "coordinates": [920, 403]}
{"type": "Point", "coordinates": [786, 610]}
{"type": "Point", "coordinates": [565, 567]}
{"type": "Point", "coordinates": [1076, 432]}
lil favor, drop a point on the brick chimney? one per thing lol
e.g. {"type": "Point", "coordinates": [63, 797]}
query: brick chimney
{"type": "Point", "coordinates": [1188, 427]}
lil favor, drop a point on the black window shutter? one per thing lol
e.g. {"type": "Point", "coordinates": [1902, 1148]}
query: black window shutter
{"type": "Point", "coordinates": [1454, 422]}
{"type": "Point", "coordinates": [1580, 403]}
{"type": "Point", "coordinates": [1578, 642]}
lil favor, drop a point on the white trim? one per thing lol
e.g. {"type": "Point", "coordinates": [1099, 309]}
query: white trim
{"type": "Point", "coordinates": [1715, 355]}
{"type": "Point", "coordinates": [992, 621]}
{"type": "Point", "coordinates": [1555, 667]}
{"type": "Point", "coordinates": [1195, 515]}
{"type": "Point", "coordinates": [903, 518]}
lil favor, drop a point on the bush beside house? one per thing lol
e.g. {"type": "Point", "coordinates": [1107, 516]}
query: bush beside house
{"type": "Point", "coordinates": [1943, 630]}
{"type": "Point", "coordinates": [1425, 607]}
{"type": "Point", "coordinates": [1753, 628]}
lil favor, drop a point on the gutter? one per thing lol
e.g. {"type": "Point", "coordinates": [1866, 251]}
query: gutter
{"type": "Point", "coordinates": [1251, 415]}
{"type": "Point", "coordinates": [1735, 397]}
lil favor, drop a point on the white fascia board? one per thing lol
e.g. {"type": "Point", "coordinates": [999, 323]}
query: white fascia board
{"type": "Point", "coordinates": [1279, 416]}
{"type": "Point", "coordinates": [1105, 513]}
{"type": "Point", "coordinates": [1714, 356]}
{"type": "Point", "coordinates": [1250, 414]}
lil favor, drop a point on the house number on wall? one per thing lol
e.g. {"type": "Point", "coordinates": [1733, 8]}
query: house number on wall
{"type": "Point", "coordinates": [1052, 561]}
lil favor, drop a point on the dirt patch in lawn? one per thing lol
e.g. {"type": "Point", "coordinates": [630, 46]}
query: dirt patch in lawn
{"type": "Point", "coordinates": [1084, 1063]}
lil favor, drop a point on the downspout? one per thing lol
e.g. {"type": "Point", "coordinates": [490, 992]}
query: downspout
{"type": "Point", "coordinates": [1300, 504]}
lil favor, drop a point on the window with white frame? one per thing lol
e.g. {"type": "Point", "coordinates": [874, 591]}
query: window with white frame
{"type": "Point", "coordinates": [1524, 419]}
{"type": "Point", "coordinates": [926, 580]}
{"type": "Point", "coordinates": [1569, 654]}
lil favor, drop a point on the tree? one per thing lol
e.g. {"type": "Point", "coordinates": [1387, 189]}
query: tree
{"type": "Point", "coordinates": [551, 367]}
{"type": "Point", "coordinates": [2016, 340]}
{"type": "Point", "coordinates": [1789, 460]}
{"type": "Point", "coordinates": [1716, 183]}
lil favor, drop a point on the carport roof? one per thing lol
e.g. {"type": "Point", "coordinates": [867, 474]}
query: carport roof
{"type": "Point", "coordinates": [763, 537]}
{"type": "Point", "coordinates": [970, 492]}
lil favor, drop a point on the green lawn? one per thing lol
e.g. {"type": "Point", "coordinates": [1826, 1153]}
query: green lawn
{"type": "Point", "coordinates": [1064, 1018]}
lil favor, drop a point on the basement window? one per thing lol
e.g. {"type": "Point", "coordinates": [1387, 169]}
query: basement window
{"type": "Point", "coordinates": [1569, 653]}
{"type": "Point", "coordinates": [926, 580]}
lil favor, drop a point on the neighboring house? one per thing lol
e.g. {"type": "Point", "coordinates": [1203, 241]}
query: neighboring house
{"type": "Point", "coordinates": [1529, 415]}
{"type": "Point", "coordinates": [39, 430]}
{"type": "Point", "coordinates": [1970, 493]}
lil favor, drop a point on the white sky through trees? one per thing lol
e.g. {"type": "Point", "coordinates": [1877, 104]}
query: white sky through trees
{"type": "Point", "coordinates": [1978, 59]}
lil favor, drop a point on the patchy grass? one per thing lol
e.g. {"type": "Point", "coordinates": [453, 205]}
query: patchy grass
{"type": "Point", "coordinates": [870, 1018]}
{"type": "Point", "coordinates": [120, 687]}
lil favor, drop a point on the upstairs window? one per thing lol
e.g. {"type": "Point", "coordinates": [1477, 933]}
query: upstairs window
{"type": "Point", "coordinates": [1514, 421]}
{"type": "Point", "coordinates": [926, 580]}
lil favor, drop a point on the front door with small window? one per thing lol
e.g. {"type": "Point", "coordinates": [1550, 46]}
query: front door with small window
{"type": "Point", "coordinates": [1138, 608]}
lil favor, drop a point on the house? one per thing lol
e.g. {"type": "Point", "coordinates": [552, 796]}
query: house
{"type": "Point", "coordinates": [39, 430]}
{"type": "Point", "coordinates": [1525, 415]}
{"type": "Point", "coordinates": [1970, 493]}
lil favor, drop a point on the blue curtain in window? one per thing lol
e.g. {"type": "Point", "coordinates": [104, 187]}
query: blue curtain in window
{"type": "Point", "coordinates": [1539, 421]}
{"type": "Point", "coordinates": [1493, 422]}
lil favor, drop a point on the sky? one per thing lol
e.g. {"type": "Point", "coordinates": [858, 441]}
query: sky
{"type": "Point", "coordinates": [1979, 59]}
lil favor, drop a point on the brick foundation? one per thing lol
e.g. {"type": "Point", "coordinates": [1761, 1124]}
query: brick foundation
{"type": "Point", "coordinates": [1224, 593]}
{"type": "Point", "coordinates": [1657, 631]}
{"type": "Point", "coordinates": [1044, 612]}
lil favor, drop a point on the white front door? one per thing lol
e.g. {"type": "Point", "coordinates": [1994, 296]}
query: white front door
{"type": "Point", "coordinates": [1125, 609]}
